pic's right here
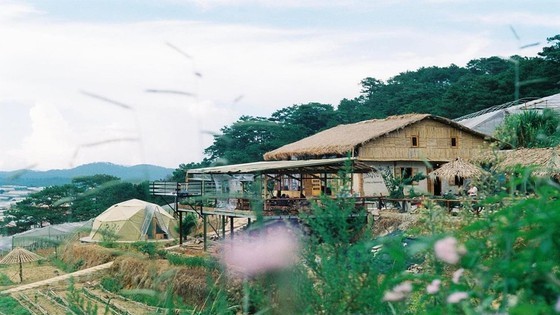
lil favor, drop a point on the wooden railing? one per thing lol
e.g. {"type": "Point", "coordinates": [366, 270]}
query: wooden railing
{"type": "Point", "coordinates": [296, 205]}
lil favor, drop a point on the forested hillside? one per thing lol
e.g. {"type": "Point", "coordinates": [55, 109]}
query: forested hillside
{"type": "Point", "coordinates": [450, 91]}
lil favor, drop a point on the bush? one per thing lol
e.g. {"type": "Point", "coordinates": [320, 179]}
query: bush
{"type": "Point", "coordinates": [5, 280]}
{"type": "Point", "coordinates": [9, 305]}
{"type": "Point", "coordinates": [192, 261]}
{"type": "Point", "coordinates": [148, 248]}
{"type": "Point", "coordinates": [111, 284]}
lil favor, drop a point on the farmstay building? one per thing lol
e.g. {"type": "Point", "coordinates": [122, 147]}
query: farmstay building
{"type": "Point", "coordinates": [404, 145]}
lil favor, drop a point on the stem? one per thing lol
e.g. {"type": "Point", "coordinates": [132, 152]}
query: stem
{"type": "Point", "coordinates": [245, 296]}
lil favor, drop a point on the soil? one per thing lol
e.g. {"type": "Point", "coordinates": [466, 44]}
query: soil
{"type": "Point", "coordinates": [54, 298]}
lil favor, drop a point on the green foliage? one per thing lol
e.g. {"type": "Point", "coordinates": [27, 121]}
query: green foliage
{"type": "Point", "coordinates": [77, 303]}
{"type": "Point", "coordinates": [397, 184]}
{"type": "Point", "coordinates": [5, 280]}
{"type": "Point", "coordinates": [83, 199]}
{"type": "Point", "coordinates": [246, 140]}
{"type": "Point", "coordinates": [111, 284]}
{"type": "Point", "coordinates": [9, 305]}
{"type": "Point", "coordinates": [157, 299]}
{"type": "Point", "coordinates": [60, 264]}
{"type": "Point", "coordinates": [249, 138]}
{"type": "Point", "coordinates": [148, 248]}
{"type": "Point", "coordinates": [109, 236]}
{"type": "Point", "coordinates": [180, 174]}
{"type": "Point", "coordinates": [189, 224]}
{"type": "Point", "coordinates": [530, 129]}
{"type": "Point", "coordinates": [192, 261]}
{"type": "Point", "coordinates": [450, 91]}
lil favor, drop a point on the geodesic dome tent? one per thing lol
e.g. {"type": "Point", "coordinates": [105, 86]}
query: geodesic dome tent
{"type": "Point", "coordinates": [134, 220]}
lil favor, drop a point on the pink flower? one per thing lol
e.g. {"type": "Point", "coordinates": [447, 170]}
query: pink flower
{"type": "Point", "coordinates": [557, 305]}
{"type": "Point", "coordinates": [399, 292]}
{"type": "Point", "coordinates": [447, 250]}
{"type": "Point", "coordinates": [433, 287]}
{"type": "Point", "coordinates": [457, 297]}
{"type": "Point", "coordinates": [271, 249]}
{"type": "Point", "coordinates": [457, 275]}
{"type": "Point", "coordinates": [391, 296]}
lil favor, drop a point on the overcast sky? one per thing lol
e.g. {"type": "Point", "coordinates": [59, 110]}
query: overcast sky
{"type": "Point", "coordinates": [74, 74]}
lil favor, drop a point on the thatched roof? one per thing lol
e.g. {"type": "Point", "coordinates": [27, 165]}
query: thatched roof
{"type": "Point", "coordinates": [342, 139]}
{"type": "Point", "coordinates": [18, 255]}
{"type": "Point", "coordinates": [544, 161]}
{"type": "Point", "coordinates": [458, 167]}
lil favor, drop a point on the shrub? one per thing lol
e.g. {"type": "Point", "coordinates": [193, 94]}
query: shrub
{"type": "Point", "coordinates": [111, 284]}
{"type": "Point", "coordinates": [191, 261]}
{"type": "Point", "coordinates": [148, 248]}
{"type": "Point", "coordinates": [9, 305]}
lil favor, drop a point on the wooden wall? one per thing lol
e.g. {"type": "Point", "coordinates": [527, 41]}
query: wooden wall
{"type": "Point", "coordinates": [434, 144]}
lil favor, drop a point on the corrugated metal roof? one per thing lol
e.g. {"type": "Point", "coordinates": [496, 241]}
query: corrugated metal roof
{"type": "Point", "coordinates": [288, 167]}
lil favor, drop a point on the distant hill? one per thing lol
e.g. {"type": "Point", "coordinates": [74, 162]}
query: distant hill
{"type": "Point", "coordinates": [60, 177]}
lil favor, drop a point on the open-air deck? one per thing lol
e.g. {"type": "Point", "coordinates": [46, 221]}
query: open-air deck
{"type": "Point", "coordinates": [271, 189]}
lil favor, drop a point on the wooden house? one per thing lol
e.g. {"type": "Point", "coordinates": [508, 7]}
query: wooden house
{"type": "Point", "coordinates": [405, 145]}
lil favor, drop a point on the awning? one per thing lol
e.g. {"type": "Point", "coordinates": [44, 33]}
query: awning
{"type": "Point", "coordinates": [329, 166]}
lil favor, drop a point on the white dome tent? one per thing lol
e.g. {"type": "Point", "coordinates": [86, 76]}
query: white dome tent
{"type": "Point", "coordinates": [133, 220]}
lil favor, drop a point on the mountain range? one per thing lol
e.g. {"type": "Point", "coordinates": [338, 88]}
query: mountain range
{"type": "Point", "coordinates": [134, 173]}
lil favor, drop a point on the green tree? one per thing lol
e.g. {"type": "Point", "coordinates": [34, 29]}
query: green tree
{"type": "Point", "coordinates": [530, 129]}
{"type": "Point", "coordinates": [300, 121]}
{"type": "Point", "coordinates": [552, 53]}
{"type": "Point", "coordinates": [179, 174]}
{"type": "Point", "coordinates": [83, 183]}
{"type": "Point", "coordinates": [244, 141]}
{"type": "Point", "coordinates": [51, 205]}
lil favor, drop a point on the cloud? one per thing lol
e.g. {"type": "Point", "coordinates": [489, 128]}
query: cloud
{"type": "Point", "coordinates": [11, 10]}
{"type": "Point", "coordinates": [50, 143]}
{"type": "Point", "coordinates": [47, 62]}
{"type": "Point", "coordinates": [209, 4]}
{"type": "Point", "coordinates": [506, 17]}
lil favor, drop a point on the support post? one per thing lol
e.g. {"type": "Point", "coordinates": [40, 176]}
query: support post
{"type": "Point", "coordinates": [248, 222]}
{"type": "Point", "coordinates": [180, 228]}
{"type": "Point", "coordinates": [223, 226]}
{"type": "Point", "coordinates": [204, 223]}
{"type": "Point", "coordinates": [231, 227]}
{"type": "Point", "coordinates": [20, 270]}
{"type": "Point", "coordinates": [177, 191]}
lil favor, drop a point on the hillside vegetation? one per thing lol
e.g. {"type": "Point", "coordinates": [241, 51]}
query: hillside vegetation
{"type": "Point", "coordinates": [450, 92]}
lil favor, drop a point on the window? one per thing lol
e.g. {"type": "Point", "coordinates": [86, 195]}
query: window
{"type": "Point", "coordinates": [454, 142]}
{"type": "Point", "coordinates": [414, 141]}
{"type": "Point", "coordinates": [407, 173]}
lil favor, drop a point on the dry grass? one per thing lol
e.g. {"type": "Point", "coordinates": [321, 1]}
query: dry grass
{"type": "Point", "coordinates": [86, 255]}
{"type": "Point", "coordinates": [388, 221]}
{"type": "Point", "coordinates": [190, 283]}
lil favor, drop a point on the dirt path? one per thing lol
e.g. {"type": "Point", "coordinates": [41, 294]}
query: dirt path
{"type": "Point", "coordinates": [57, 279]}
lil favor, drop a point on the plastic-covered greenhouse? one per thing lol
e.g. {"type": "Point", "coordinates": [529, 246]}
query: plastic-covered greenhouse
{"type": "Point", "coordinates": [48, 236]}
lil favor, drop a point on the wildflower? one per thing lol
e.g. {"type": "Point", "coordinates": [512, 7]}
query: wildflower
{"type": "Point", "coordinates": [391, 296]}
{"type": "Point", "coordinates": [447, 250]}
{"type": "Point", "coordinates": [273, 249]}
{"type": "Point", "coordinates": [433, 287]}
{"type": "Point", "coordinates": [399, 292]}
{"type": "Point", "coordinates": [457, 275]}
{"type": "Point", "coordinates": [457, 297]}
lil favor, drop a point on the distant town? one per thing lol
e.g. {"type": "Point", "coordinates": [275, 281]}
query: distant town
{"type": "Point", "coordinates": [10, 194]}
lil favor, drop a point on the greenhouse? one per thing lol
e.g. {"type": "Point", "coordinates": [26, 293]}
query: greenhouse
{"type": "Point", "coordinates": [46, 236]}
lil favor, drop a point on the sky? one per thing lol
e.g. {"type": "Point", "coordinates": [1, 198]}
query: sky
{"type": "Point", "coordinates": [152, 81]}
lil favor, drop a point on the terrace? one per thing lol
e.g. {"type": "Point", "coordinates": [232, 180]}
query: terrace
{"type": "Point", "coordinates": [271, 189]}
